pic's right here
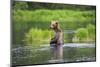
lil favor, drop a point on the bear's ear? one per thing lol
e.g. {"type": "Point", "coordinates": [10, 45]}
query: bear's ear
{"type": "Point", "coordinates": [57, 22]}
{"type": "Point", "coordinates": [57, 25]}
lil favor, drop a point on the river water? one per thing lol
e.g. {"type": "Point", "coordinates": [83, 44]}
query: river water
{"type": "Point", "coordinates": [72, 52]}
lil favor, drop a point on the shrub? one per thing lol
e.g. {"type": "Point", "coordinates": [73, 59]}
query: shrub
{"type": "Point", "coordinates": [81, 34]}
{"type": "Point", "coordinates": [91, 32]}
{"type": "Point", "coordinates": [37, 36]}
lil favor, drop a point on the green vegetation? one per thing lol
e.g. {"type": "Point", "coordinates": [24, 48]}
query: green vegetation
{"type": "Point", "coordinates": [39, 36]}
{"type": "Point", "coordinates": [91, 32]}
{"type": "Point", "coordinates": [85, 34]}
{"type": "Point", "coordinates": [31, 24]}
{"type": "Point", "coordinates": [20, 6]}
{"type": "Point", "coordinates": [81, 34]}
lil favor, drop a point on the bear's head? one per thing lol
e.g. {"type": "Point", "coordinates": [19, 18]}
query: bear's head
{"type": "Point", "coordinates": [55, 25]}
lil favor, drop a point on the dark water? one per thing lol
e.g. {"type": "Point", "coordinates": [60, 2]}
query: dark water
{"type": "Point", "coordinates": [72, 52]}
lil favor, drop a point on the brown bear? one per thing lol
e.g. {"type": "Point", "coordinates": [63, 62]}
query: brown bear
{"type": "Point", "coordinates": [57, 41]}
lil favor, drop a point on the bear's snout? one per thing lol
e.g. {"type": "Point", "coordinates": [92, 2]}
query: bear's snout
{"type": "Point", "coordinates": [51, 27]}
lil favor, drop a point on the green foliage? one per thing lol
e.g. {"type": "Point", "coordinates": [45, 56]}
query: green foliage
{"type": "Point", "coordinates": [91, 31]}
{"type": "Point", "coordinates": [20, 5]}
{"type": "Point", "coordinates": [37, 36]}
{"type": "Point", "coordinates": [69, 19]}
{"type": "Point", "coordinates": [82, 34]}
{"type": "Point", "coordinates": [85, 34]}
{"type": "Point", "coordinates": [24, 20]}
{"type": "Point", "coordinates": [53, 6]}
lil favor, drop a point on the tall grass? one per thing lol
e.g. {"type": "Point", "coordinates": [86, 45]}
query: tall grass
{"type": "Point", "coordinates": [85, 34]}
{"type": "Point", "coordinates": [48, 15]}
{"type": "Point", "coordinates": [68, 18]}
{"type": "Point", "coordinates": [36, 37]}
{"type": "Point", "coordinates": [26, 23]}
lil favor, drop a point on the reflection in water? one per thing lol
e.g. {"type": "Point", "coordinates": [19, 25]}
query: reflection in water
{"type": "Point", "coordinates": [57, 52]}
{"type": "Point", "coordinates": [40, 55]}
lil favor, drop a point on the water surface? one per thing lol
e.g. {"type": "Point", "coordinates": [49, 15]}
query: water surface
{"type": "Point", "coordinates": [72, 52]}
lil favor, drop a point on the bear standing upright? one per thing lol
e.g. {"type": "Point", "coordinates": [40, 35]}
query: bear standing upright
{"type": "Point", "coordinates": [57, 41]}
